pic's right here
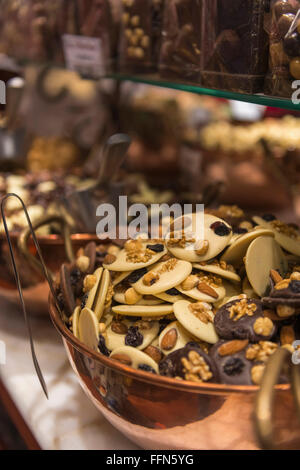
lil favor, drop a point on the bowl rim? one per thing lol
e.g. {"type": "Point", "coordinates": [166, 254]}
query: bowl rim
{"type": "Point", "coordinates": [153, 379]}
{"type": "Point", "coordinates": [53, 239]}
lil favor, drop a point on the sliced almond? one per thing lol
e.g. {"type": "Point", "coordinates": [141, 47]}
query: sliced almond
{"type": "Point", "coordinates": [206, 289]}
{"type": "Point", "coordinates": [169, 340]}
{"type": "Point", "coordinates": [287, 335]}
{"type": "Point", "coordinates": [232, 347]}
{"type": "Point", "coordinates": [154, 353]}
{"type": "Point", "coordinates": [123, 358]}
{"type": "Point", "coordinates": [275, 276]}
{"type": "Point", "coordinates": [119, 328]}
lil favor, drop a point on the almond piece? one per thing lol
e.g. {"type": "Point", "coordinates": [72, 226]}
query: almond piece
{"type": "Point", "coordinates": [232, 347]}
{"type": "Point", "coordinates": [109, 259]}
{"type": "Point", "coordinates": [275, 276]}
{"type": "Point", "coordinates": [206, 289]}
{"type": "Point", "coordinates": [169, 340]}
{"type": "Point", "coordinates": [123, 358]}
{"type": "Point", "coordinates": [154, 353]}
{"type": "Point", "coordinates": [271, 314]}
{"type": "Point", "coordinates": [119, 328]}
{"type": "Point", "coordinates": [287, 335]}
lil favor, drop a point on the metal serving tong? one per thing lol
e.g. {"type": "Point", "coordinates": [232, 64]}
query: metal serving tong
{"type": "Point", "coordinates": [18, 281]}
{"type": "Point", "coordinates": [82, 204]}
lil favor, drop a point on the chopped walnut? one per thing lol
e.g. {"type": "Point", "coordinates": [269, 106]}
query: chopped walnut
{"type": "Point", "coordinates": [195, 368]}
{"type": "Point", "coordinates": [240, 309]}
{"type": "Point", "coordinates": [261, 351]}
{"type": "Point", "coordinates": [210, 279]}
{"type": "Point", "coordinates": [133, 245]}
{"type": "Point", "coordinates": [263, 326]}
{"type": "Point", "coordinates": [139, 256]}
{"type": "Point", "coordinates": [202, 311]}
{"type": "Point", "coordinates": [168, 266]}
{"type": "Point", "coordinates": [285, 229]}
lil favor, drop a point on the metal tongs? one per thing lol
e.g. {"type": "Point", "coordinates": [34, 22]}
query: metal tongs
{"type": "Point", "coordinates": [18, 281]}
{"type": "Point", "coordinates": [82, 204]}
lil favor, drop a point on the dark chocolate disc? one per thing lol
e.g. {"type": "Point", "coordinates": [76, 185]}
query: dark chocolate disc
{"type": "Point", "coordinates": [239, 320]}
{"type": "Point", "coordinates": [173, 364]}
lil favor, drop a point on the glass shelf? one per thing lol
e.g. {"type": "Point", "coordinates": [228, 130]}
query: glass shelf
{"type": "Point", "coordinates": [271, 101]}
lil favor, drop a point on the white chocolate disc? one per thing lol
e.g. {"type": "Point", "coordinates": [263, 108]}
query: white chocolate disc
{"type": "Point", "coordinates": [90, 303]}
{"type": "Point", "coordinates": [192, 322]}
{"type": "Point", "coordinates": [181, 337]}
{"type": "Point", "coordinates": [292, 245]}
{"type": "Point", "coordinates": [216, 243]}
{"type": "Point", "coordinates": [196, 294]}
{"type": "Point", "coordinates": [115, 340]}
{"type": "Point", "coordinates": [136, 357]}
{"type": "Point", "coordinates": [167, 278]}
{"type": "Point", "coordinates": [143, 310]}
{"type": "Point", "coordinates": [75, 321]}
{"type": "Point", "coordinates": [263, 254]}
{"type": "Point", "coordinates": [101, 294]}
{"type": "Point", "coordinates": [170, 298]}
{"type": "Point", "coordinates": [248, 289]}
{"type": "Point", "coordinates": [119, 277]}
{"type": "Point", "coordinates": [216, 269]}
{"type": "Point", "coordinates": [123, 264]}
{"type": "Point", "coordinates": [89, 329]}
{"type": "Point", "coordinates": [235, 253]}
{"type": "Point", "coordinates": [120, 298]}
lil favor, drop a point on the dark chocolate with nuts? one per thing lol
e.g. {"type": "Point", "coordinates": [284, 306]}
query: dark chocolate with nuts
{"type": "Point", "coordinates": [142, 303]}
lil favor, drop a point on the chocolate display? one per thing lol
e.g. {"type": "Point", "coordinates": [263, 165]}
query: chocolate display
{"type": "Point", "coordinates": [41, 192]}
{"type": "Point", "coordinates": [284, 58]}
{"type": "Point", "coordinates": [181, 44]}
{"type": "Point", "coordinates": [210, 310]}
{"type": "Point", "coordinates": [234, 46]}
{"type": "Point", "coordinates": [91, 18]}
{"type": "Point", "coordinates": [30, 29]}
{"type": "Point", "coordinates": [140, 35]}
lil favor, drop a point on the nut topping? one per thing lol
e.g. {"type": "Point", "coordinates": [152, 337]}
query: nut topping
{"type": "Point", "coordinates": [119, 328]}
{"type": "Point", "coordinates": [263, 326]}
{"type": "Point", "coordinates": [206, 289]}
{"type": "Point", "coordinates": [123, 358]}
{"type": "Point", "coordinates": [169, 340]}
{"type": "Point", "coordinates": [240, 309]}
{"type": "Point", "coordinates": [232, 347]}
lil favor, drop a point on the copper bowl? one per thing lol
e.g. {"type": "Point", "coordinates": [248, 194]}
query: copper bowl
{"type": "Point", "coordinates": [56, 249]}
{"type": "Point", "coordinates": [157, 412]}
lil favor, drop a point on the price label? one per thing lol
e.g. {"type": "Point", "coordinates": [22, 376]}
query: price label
{"type": "Point", "coordinates": [84, 55]}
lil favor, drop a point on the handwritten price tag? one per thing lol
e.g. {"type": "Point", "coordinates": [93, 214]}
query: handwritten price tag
{"type": "Point", "coordinates": [84, 55]}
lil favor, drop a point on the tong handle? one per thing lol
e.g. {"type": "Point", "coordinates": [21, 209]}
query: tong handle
{"type": "Point", "coordinates": [265, 398]}
{"type": "Point", "coordinates": [18, 281]}
{"type": "Point", "coordinates": [42, 221]}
